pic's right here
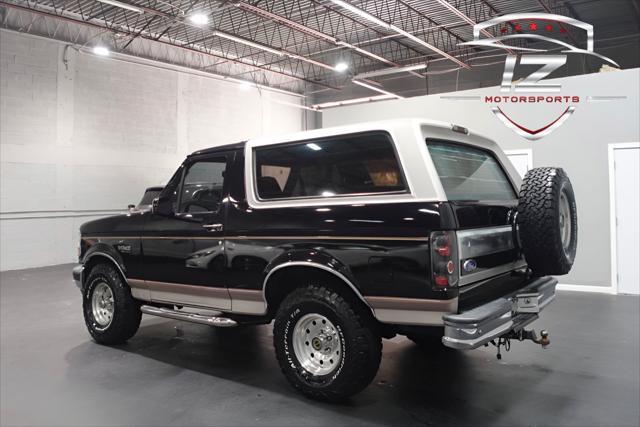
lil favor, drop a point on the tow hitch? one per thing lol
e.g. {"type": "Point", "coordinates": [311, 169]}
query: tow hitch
{"type": "Point", "coordinates": [521, 335]}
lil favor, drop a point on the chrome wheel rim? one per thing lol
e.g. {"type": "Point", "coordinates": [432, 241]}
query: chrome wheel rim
{"type": "Point", "coordinates": [316, 344]}
{"type": "Point", "coordinates": [102, 305]}
{"type": "Point", "coordinates": [565, 221]}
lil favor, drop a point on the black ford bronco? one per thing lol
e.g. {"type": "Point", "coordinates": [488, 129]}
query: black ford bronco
{"type": "Point", "coordinates": [341, 237]}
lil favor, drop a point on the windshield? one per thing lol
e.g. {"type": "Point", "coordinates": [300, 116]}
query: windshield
{"type": "Point", "coordinates": [469, 173]}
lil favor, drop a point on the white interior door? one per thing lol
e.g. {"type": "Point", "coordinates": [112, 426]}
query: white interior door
{"type": "Point", "coordinates": [627, 208]}
{"type": "Point", "coordinates": [521, 159]}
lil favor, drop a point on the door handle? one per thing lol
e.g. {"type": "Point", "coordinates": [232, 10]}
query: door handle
{"type": "Point", "coordinates": [213, 227]}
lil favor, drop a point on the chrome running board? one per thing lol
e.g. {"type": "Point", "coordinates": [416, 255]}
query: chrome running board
{"type": "Point", "coordinates": [220, 322]}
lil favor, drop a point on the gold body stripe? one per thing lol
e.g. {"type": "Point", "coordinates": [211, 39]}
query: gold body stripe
{"type": "Point", "coordinates": [412, 304]}
{"type": "Point", "coordinates": [387, 238]}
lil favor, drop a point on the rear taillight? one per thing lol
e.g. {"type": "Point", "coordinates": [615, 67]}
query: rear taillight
{"type": "Point", "coordinates": [444, 260]}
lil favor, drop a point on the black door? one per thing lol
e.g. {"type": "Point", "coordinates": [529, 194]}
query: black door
{"type": "Point", "coordinates": [184, 259]}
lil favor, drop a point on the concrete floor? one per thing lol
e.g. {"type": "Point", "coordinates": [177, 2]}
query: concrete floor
{"type": "Point", "coordinates": [174, 373]}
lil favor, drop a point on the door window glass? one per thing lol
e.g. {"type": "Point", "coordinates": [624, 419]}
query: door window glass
{"type": "Point", "coordinates": [202, 186]}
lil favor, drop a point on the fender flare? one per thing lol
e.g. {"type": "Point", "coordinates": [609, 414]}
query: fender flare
{"type": "Point", "coordinates": [105, 251]}
{"type": "Point", "coordinates": [312, 258]}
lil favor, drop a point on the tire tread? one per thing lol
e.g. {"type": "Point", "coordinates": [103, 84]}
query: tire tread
{"type": "Point", "coordinates": [538, 217]}
{"type": "Point", "coordinates": [366, 345]}
{"type": "Point", "coordinates": [127, 314]}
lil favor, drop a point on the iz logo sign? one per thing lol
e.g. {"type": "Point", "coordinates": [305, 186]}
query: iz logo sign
{"type": "Point", "coordinates": [549, 63]}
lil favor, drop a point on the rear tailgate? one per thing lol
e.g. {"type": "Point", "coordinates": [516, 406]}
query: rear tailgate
{"type": "Point", "coordinates": [484, 201]}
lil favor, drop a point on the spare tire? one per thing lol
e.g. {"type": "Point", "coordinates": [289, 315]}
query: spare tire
{"type": "Point", "coordinates": [548, 221]}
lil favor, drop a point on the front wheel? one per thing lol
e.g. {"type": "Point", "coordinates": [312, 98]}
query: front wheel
{"type": "Point", "coordinates": [326, 347]}
{"type": "Point", "coordinates": [111, 314]}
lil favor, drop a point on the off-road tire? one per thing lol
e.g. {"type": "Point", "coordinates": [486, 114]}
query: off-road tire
{"type": "Point", "coordinates": [126, 314]}
{"type": "Point", "coordinates": [539, 219]}
{"type": "Point", "coordinates": [361, 344]}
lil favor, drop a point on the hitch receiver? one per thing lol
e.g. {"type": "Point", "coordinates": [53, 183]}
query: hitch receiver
{"type": "Point", "coordinates": [521, 335]}
{"type": "Point", "coordinates": [544, 340]}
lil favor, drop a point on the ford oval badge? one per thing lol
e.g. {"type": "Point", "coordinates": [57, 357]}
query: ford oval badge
{"type": "Point", "coordinates": [470, 265]}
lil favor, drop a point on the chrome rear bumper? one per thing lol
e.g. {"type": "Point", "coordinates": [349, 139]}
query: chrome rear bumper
{"type": "Point", "coordinates": [476, 327]}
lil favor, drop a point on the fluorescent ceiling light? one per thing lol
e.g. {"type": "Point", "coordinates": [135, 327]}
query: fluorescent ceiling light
{"type": "Point", "coordinates": [367, 53]}
{"type": "Point", "coordinates": [369, 17]}
{"type": "Point", "coordinates": [309, 60]}
{"type": "Point", "coordinates": [122, 5]}
{"type": "Point", "coordinates": [377, 89]}
{"type": "Point", "coordinates": [101, 50]}
{"type": "Point", "coordinates": [314, 146]}
{"type": "Point", "coordinates": [394, 70]}
{"type": "Point", "coordinates": [352, 101]}
{"type": "Point", "coordinates": [199, 18]}
{"type": "Point", "coordinates": [362, 14]}
{"type": "Point", "coordinates": [341, 66]}
{"type": "Point", "coordinates": [248, 43]}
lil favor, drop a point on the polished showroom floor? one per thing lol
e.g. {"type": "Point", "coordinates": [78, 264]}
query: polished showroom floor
{"type": "Point", "coordinates": [174, 373]}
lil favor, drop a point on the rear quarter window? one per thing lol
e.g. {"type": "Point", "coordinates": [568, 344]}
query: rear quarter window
{"type": "Point", "coordinates": [470, 173]}
{"type": "Point", "coordinates": [339, 166]}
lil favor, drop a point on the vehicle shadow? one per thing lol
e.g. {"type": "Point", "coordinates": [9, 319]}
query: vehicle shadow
{"type": "Point", "coordinates": [414, 385]}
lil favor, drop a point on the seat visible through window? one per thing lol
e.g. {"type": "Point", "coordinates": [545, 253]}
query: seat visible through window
{"type": "Point", "coordinates": [269, 188]}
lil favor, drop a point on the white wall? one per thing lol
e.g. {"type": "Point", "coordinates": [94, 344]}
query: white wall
{"type": "Point", "coordinates": [579, 146]}
{"type": "Point", "coordinates": [83, 140]}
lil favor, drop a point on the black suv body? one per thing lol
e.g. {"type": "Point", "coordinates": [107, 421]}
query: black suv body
{"type": "Point", "coordinates": [342, 236]}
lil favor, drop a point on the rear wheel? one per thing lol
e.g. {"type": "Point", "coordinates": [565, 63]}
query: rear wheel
{"type": "Point", "coordinates": [111, 314]}
{"type": "Point", "coordinates": [548, 221]}
{"type": "Point", "coordinates": [326, 347]}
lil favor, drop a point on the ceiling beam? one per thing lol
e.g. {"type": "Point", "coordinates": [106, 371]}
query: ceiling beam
{"type": "Point", "coordinates": [549, 8]}
{"type": "Point", "coordinates": [465, 18]}
{"type": "Point", "coordinates": [237, 39]}
{"type": "Point", "coordinates": [317, 34]}
{"type": "Point", "coordinates": [390, 27]}
{"type": "Point", "coordinates": [304, 29]}
{"type": "Point", "coordinates": [133, 33]}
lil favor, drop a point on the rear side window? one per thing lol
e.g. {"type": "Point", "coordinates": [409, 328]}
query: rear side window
{"type": "Point", "coordinates": [349, 164]}
{"type": "Point", "coordinates": [469, 173]}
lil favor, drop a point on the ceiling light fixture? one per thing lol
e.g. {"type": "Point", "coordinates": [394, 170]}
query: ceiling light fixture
{"type": "Point", "coordinates": [377, 89]}
{"type": "Point", "coordinates": [314, 146]}
{"type": "Point", "coordinates": [341, 67]}
{"type": "Point", "coordinates": [391, 27]}
{"type": "Point", "coordinates": [199, 19]}
{"type": "Point", "coordinates": [387, 71]}
{"type": "Point", "coordinates": [249, 43]}
{"type": "Point", "coordinates": [101, 50]}
{"type": "Point", "coordinates": [122, 5]}
{"type": "Point", "coordinates": [367, 53]}
{"type": "Point", "coordinates": [352, 101]}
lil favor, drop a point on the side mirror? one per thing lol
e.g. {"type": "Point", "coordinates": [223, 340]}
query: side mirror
{"type": "Point", "coordinates": [161, 206]}
{"type": "Point", "coordinates": [131, 207]}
